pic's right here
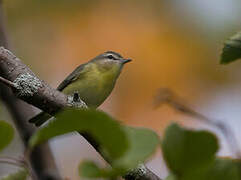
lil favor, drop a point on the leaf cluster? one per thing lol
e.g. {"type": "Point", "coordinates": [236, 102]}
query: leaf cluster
{"type": "Point", "coordinates": [125, 147]}
{"type": "Point", "coordinates": [192, 155]}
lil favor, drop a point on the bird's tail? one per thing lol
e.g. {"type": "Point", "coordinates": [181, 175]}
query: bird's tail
{"type": "Point", "coordinates": [39, 119]}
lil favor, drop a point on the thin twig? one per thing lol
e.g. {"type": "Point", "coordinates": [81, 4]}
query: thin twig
{"type": "Point", "coordinates": [11, 162]}
{"type": "Point", "coordinates": [19, 163]}
{"type": "Point", "coordinates": [166, 96]}
{"type": "Point", "coordinates": [8, 83]}
{"type": "Point", "coordinates": [10, 158]}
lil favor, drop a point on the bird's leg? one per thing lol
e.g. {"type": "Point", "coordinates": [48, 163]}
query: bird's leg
{"type": "Point", "coordinates": [76, 97]}
{"type": "Point", "coordinates": [74, 100]}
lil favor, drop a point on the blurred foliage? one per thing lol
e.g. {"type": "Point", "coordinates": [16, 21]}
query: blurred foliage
{"type": "Point", "coordinates": [107, 132]}
{"type": "Point", "coordinates": [6, 134]}
{"type": "Point", "coordinates": [142, 144]}
{"type": "Point", "coordinates": [124, 147]}
{"type": "Point", "coordinates": [22, 174]}
{"type": "Point", "coordinates": [191, 155]}
{"type": "Point", "coordinates": [232, 49]}
{"type": "Point", "coordinates": [187, 151]}
{"type": "Point", "coordinates": [89, 169]}
{"type": "Point", "coordinates": [223, 169]}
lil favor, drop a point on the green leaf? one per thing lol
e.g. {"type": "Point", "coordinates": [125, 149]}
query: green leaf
{"type": "Point", "coordinates": [232, 49]}
{"type": "Point", "coordinates": [105, 130]}
{"type": "Point", "coordinates": [19, 175]}
{"type": "Point", "coordinates": [171, 177]}
{"type": "Point", "coordinates": [186, 151]}
{"type": "Point", "coordinates": [6, 134]}
{"type": "Point", "coordinates": [89, 169]}
{"type": "Point", "coordinates": [126, 147]}
{"type": "Point", "coordinates": [223, 169]}
{"type": "Point", "coordinates": [142, 144]}
{"type": "Point", "coordinates": [191, 155]}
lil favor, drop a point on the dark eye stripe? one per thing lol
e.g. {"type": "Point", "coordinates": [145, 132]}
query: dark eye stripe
{"type": "Point", "coordinates": [111, 57]}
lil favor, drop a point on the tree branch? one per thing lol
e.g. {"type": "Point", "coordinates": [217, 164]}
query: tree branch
{"type": "Point", "coordinates": [141, 173]}
{"type": "Point", "coordinates": [38, 93]}
{"type": "Point", "coordinates": [30, 88]}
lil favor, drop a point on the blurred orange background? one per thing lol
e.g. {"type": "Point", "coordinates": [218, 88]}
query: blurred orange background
{"type": "Point", "coordinates": [174, 44]}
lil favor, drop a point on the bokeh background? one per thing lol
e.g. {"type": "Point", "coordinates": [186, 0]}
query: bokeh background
{"type": "Point", "coordinates": [174, 44]}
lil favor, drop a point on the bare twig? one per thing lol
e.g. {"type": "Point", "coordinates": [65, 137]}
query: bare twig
{"type": "Point", "coordinates": [10, 158]}
{"type": "Point", "coordinates": [15, 161]}
{"type": "Point", "coordinates": [20, 163]}
{"type": "Point", "coordinates": [166, 96]}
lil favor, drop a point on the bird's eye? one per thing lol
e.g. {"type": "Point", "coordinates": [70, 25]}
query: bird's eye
{"type": "Point", "coordinates": [110, 57]}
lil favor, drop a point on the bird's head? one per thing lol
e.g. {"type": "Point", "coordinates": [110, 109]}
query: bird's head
{"type": "Point", "coordinates": [110, 59]}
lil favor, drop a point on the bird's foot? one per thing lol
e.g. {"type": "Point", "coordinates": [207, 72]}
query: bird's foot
{"type": "Point", "coordinates": [76, 97]}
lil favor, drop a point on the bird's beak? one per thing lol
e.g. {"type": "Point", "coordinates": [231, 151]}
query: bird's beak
{"type": "Point", "coordinates": [125, 60]}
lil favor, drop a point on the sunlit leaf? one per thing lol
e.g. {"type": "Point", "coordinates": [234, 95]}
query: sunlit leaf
{"type": "Point", "coordinates": [19, 175]}
{"type": "Point", "coordinates": [187, 151]}
{"type": "Point", "coordinates": [106, 131]}
{"type": "Point", "coordinates": [232, 49]}
{"type": "Point", "coordinates": [6, 134]}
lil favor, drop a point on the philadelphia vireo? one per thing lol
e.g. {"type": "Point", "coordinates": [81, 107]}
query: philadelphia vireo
{"type": "Point", "coordinates": [93, 81]}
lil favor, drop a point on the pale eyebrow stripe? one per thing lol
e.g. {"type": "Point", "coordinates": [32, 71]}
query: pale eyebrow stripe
{"type": "Point", "coordinates": [114, 55]}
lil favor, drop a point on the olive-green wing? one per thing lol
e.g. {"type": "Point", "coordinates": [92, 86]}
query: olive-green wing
{"type": "Point", "coordinates": [72, 77]}
{"type": "Point", "coordinates": [42, 117]}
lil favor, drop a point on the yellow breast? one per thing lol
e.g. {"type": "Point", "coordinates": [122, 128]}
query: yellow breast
{"type": "Point", "coordinates": [94, 85]}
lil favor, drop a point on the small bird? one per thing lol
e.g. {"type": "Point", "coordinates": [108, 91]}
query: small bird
{"type": "Point", "coordinates": [92, 81]}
